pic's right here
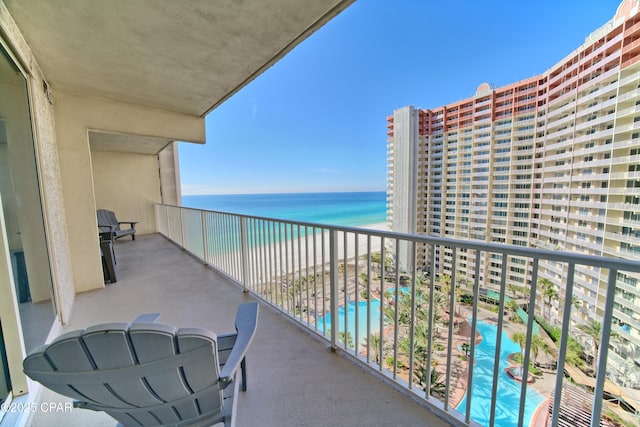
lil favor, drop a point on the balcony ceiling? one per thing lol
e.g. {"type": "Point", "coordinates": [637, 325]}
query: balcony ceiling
{"type": "Point", "coordinates": [185, 56]}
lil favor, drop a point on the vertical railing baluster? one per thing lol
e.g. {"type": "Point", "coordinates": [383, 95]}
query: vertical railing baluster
{"type": "Point", "coordinates": [472, 339]}
{"type": "Point", "coordinates": [324, 284]}
{"type": "Point", "coordinates": [215, 250]}
{"type": "Point", "coordinates": [381, 345]}
{"type": "Point", "coordinates": [496, 362]}
{"type": "Point", "coordinates": [205, 237]}
{"type": "Point", "coordinates": [395, 309]}
{"type": "Point", "coordinates": [412, 330]}
{"type": "Point", "coordinates": [227, 245]}
{"type": "Point", "coordinates": [281, 272]}
{"type": "Point", "coordinates": [356, 296]}
{"type": "Point", "coordinates": [244, 258]}
{"type": "Point", "coordinates": [299, 267]}
{"type": "Point", "coordinates": [306, 271]}
{"type": "Point", "coordinates": [530, 322]}
{"type": "Point", "coordinates": [345, 290]}
{"type": "Point", "coordinates": [368, 298]}
{"type": "Point", "coordinates": [452, 302]}
{"type": "Point", "coordinates": [268, 262]}
{"type": "Point", "coordinates": [562, 352]}
{"type": "Point", "coordinates": [432, 289]}
{"type": "Point", "coordinates": [264, 246]}
{"type": "Point", "coordinates": [181, 228]}
{"type": "Point", "coordinates": [333, 284]}
{"type": "Point", "coordinates": [290, 284]}
{"type": "Point", "coordinates": [255, 250]}
{"type": "Point", "coordinates": [601, 371]}
{"type": "Point", "coordinates": [315, 278]}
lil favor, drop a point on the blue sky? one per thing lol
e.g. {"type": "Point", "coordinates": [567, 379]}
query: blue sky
{"type": "Point", "coordinates": [316, 120]}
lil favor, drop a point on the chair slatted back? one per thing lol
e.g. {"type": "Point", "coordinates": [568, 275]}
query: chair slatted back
{"type": "Point", "coordinates": [140, 374]}
{"type": "Point", "coordinates": [107, 217]}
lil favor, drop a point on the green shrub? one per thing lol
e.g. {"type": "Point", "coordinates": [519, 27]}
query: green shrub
{"type": "Point", "coordinates": [554, 332]}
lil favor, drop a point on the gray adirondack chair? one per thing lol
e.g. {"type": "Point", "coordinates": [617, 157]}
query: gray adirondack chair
{"type": "Point", "coordinates": [149, 374]}
{"type": "Point", "coordinates": [108, 223]}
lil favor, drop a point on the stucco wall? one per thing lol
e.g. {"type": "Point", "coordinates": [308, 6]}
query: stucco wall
{"type": "Point", "coordinates": [170, 175]}
{"type": "Point", "coordinates": [75, 116]}
{"type": "Point", "coordinates": [129, 185]}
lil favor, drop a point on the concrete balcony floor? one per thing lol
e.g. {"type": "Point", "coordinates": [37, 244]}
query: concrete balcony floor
{"type": "Point", "coordinates": [293, 377]}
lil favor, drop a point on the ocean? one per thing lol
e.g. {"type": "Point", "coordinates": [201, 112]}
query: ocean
{"type": "Point", "coordinates": [351, 209]}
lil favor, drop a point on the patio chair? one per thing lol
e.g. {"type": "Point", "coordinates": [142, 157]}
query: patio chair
{"type": "Point", "coordinates": [147, 373]}
{"type": "Point", "coordinates": [108, 223]}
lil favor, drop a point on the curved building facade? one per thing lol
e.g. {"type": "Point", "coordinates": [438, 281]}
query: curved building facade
{"type": "Point", "coordinates": [550, 162]}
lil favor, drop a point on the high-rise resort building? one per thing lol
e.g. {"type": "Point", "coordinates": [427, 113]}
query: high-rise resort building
{"type": "Point", "coordinates": [550, 162]}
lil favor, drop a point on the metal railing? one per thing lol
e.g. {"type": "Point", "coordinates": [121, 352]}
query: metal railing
{"type": "Point", "coordinates": [365, 292]}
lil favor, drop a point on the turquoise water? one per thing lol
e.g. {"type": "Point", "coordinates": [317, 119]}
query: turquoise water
{"type": "Point", "coordinates": [362, 317]}
{"type": "Point", "coordinates": [351, 319]}
{"type": "Point", "coordinates": [508, 396]}
{"type": "Point", "coordinates": [343, 209]}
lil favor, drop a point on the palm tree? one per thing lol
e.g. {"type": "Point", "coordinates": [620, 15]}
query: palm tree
{"type": "Point", "coordinates": [538, 344]}
{"type": "Point", "coordinates": [575, 302]}
{"type": "Point", "coordinates": [374, 347]}
{"type": "Point", "coordinates": [349, 341]}
{"type": "Point", "coordinates": [520, 338]}
{"type": "Point", "coordinates": [549, 292]}
{"type": "Point", "coordinates": [513, 288]}
{"type": "Point", "coordinates": [437, 387]}
{"type": "Point", "coordinates": [466, 348]}
{"type": "Point", "coordinates": [594, 331]}
{"type": "Point", "coordinates": [574, 353]}
{"type": "Point", "coordinates": [513, 307]}
{"type": "Point", "coordinates": [445, 284]}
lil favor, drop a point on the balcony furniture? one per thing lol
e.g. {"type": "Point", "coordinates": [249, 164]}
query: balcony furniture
{"type": "Point", "coordinates": [107, 222]}
{"type": "Point", "coordinates": [147, 373]}
{"type": "Point", "coordinates": [108, 257]}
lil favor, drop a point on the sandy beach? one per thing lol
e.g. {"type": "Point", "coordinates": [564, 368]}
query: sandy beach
{"type": "Point", "coordinates": [289, 256]}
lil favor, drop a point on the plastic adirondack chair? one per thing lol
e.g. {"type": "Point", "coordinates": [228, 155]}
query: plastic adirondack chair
{"type": "Point", "coordinates": [149, 374]}
{"type": "Point", "coordinates": [108, 223]}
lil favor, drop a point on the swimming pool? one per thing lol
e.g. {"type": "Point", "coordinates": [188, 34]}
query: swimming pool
{"type": "Point", "coordinates": [351, 319]}
{"type": "Point", "coordinates": [508, 396]}
{"type": "Point", "coordinates": [362, 317]}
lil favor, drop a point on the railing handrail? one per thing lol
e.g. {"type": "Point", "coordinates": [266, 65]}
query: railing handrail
{"type": "Point", "coordinates": [512, 250]}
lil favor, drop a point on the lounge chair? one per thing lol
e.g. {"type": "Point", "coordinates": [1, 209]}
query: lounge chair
{"type": "Point", "coordinates": [108, 223]}
{"type": "Point", "coordinates": [147, 373]}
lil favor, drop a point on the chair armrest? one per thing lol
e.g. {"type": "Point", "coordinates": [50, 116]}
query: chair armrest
{"type": "Point", "coordinates": [146, 318]}
{"type": "Point", "coordinates": [132, 224]}
{"type": "Point", "coordinates": [246, 322]}
{"type": "Point", "coordinates": [109, 226]}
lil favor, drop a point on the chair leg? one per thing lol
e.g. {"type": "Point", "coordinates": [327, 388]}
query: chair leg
{"type": "Point", "coordinates": [243, 368]}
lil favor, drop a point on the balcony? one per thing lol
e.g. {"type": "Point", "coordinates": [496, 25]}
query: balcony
{"type": "Point", "coordinates": [294, 379]}
{"type": "Point", "coordinates": [306, 274]}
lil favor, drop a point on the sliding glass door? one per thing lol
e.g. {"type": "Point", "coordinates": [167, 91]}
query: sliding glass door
{"type": "Point", "coordinates": [21, 210]}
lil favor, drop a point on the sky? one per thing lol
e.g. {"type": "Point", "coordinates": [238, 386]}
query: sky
{"type": "Point", "coordinates": [316, 120]}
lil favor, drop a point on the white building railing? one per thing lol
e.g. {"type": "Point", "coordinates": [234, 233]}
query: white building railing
{"type": "Point", "coordinates": [315, 273]}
